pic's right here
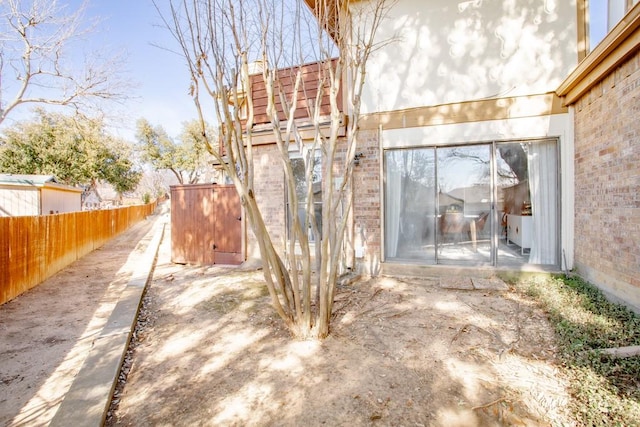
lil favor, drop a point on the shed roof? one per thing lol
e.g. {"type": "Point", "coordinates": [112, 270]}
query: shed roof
{"type": "Point", "coordinates": [39, 181]}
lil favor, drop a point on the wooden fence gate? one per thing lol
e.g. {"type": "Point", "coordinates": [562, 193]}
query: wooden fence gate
{"type": "Point", "coordinates": [206, 225]}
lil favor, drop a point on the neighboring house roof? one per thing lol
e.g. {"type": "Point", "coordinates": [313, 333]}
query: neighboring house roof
{"type": "Point", "coordinates": [40, 181]}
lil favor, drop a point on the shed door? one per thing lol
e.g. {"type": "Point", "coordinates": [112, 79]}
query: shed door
{"type": "Point", "coordinates": [227, 241]}
{"type": "Point", "coordinates": [206, 225]}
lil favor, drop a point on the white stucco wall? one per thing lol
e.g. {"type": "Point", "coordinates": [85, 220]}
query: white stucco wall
{"type": "Point", "coordinates": [445, 51]}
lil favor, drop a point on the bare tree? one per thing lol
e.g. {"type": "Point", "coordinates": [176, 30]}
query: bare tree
{"type": "Point", "coordinates": [39, 63]}
{"type": "Point", "coordinates": [220, 39]}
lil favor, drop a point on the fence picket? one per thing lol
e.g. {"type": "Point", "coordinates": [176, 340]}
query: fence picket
{"type": "Point", "coordinates": [34, 248]}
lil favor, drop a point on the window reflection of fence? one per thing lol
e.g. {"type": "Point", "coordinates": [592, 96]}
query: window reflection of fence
{"type": "Point", "coordinates": [33, 248]}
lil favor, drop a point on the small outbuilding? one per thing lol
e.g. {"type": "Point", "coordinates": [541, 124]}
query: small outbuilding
{"type": "Point", "coordinates": [206, 225]}
{"type": "Point", "coordinates": [29, 195]}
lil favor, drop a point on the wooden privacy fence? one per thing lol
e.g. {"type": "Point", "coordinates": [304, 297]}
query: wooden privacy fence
{"type": "Point", "coordinates": [33, 248]}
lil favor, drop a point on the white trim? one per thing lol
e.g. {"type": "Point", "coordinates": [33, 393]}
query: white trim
{"type": "Point", "coordinates": [486, 131]}
{"type": "Point", "coordinates": [567, 192]}
{"type": "Point", "coordinates": [559, 126]}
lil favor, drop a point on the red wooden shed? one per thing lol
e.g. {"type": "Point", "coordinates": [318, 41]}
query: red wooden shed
{"type": "Point", "coordinates": [206, 225]}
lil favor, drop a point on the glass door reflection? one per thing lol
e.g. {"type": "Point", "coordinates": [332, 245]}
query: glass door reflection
{"type": "Point", "coordinates": [464, 205]}
{"type": "Point", "coordinates": [410, 205]}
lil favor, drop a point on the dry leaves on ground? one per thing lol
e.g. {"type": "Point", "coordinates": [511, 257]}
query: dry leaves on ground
{"type": "Point", "coordinates": [401, 352]}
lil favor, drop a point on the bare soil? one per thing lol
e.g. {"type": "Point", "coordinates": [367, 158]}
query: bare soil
{"type": "Point", "coordinates": [47, 332]}
{"type": "Point", "coordinates": [458, 351]}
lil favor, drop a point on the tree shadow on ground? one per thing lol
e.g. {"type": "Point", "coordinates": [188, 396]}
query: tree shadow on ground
{"type": "Point", "coordinates": [46, 333]}
{"type": "Point", "coordinates": [401, 352]}
{"type": "Point", "coordinates": [607, 389]}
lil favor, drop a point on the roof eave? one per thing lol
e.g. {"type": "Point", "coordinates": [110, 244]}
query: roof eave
{"type": "Point", "coordinates": [619, 44]}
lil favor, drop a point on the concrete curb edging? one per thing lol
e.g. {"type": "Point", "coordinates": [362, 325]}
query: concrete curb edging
{"type": "Point", "coordinates": [89, 397]}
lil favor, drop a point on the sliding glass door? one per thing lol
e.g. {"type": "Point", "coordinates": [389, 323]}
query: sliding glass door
{"type": "Point", "coordinates": [483, 204]}
{"type": "Point", "coordinates": [528, 200]}
{"type": "Point", "coordinates": [410, 205]}
{"type": "Point", "coordinates": [464, 204]}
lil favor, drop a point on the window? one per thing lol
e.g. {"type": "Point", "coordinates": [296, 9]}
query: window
{"type": "Point", "coordinates": [299, 164]}
{"type": "Point", "coordinates": [603, 16]}
{"type": "Point", "coordinates": [481, 204]}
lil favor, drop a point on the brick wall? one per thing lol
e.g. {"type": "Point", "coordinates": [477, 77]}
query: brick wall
{"type": "Point", "coordinates": [270, 195]}
{"type": "Point", "coordinates": [366, 203]}
{"type": "Point", "coordinates": [607, 186]}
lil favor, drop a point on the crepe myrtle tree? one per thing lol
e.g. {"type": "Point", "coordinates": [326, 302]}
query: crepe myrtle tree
{"type": "Point", "coordinates": [219, 40]}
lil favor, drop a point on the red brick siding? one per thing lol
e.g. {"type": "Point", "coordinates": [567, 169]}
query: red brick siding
{"type": "Point", "coordinates": [366, 203]}
{"type": "Point", "coordinates": [607, 181]}
{"type": "Point", "coordinates": [270, 195]}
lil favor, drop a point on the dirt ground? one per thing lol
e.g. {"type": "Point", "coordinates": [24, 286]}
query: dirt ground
{"type": "Point", "coordinates": [210, 351]}
{"type": "Point", "coordinates": [46, 333]}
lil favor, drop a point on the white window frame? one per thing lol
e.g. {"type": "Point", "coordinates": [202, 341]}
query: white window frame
{"type": "Point", "coordinates": [615, 10]}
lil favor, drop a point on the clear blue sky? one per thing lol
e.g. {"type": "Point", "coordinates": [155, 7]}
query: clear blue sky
{"type": "Point", "coordinates": [160, 78]}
